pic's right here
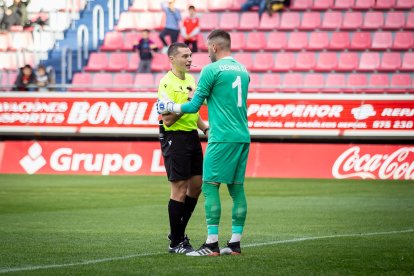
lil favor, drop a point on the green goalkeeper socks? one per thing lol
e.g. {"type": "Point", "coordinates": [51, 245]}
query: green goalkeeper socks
{"type": "Point", "coordinates": [212, 206]}
{"type": "Point", "coordinates": [239, 210]}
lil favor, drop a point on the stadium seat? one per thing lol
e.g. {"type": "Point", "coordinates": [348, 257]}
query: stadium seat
{"type": "Point", "coordinates": [382, 41]}
{"type": "Point", "coordinates": [400, 83]}
{"type": "Point", "coordinates": [394, 20]}
{"type": "Point", "coordinates": [237, 41]}
{"type": "Point", "coordinates": [201, 6]}
{"type": "Point", "coordinates": [348, 61]}
{"type": "Point", "coordinates": [255, 41]}
{"type": "Point", "coordinates": [332, 21]}
{"type": "Point", "coordinates": [81, 82]}
{"type": "Point", "coordinates": [209, 21]}
{"type": "Point", "coordinates": [404, 4]}
{"type": "Point", "coordinates": [118, 62]}
{"type": "Point", "coordinates": [155, 5]}
{"type": "Point", "coordinates": [97, 62]}
{"type": "Point", "coordinates": [322, 5]}
{"type": "Point", "coordinates": [305, 61]}
{"type": "Point", "coordinates": [343, 4]}
{"type": "Point", "coordinates": [327, 61]}
{"type": "Point", "coordinates": [133, 62]}
{"type": "Point", "coordinates": [263, 62]}
{"type": "Point", "coordinates": [384, 4]}
{"type": "Point", "coordinates": [310, 21]}
{"type": "Point", "coordinates": [140, 5]}
{"type": "Point", "coordinates": [409, 24]}
{"type": "Point", "coordinates": [113, 41]}
{"type": "Point", "coordinates": [22, 41]}
{"type": "Point", "coordinates": [219, 5]}
{"type": "Point", "coordinates": [334, 83]}
{"type": "Point", "coordinates": [269, 22]}
{"type": "Point", "coordinates": [202, 43]}
{"type": "Point", "coordinates": [373, 21]}
{"type": "Point", "coordinates": [363, 4]}
{"type": "Point", "coordinates": [339, 41]}
{"type": "Point", "coordinates": [151, 21]}
{"type": "Point", "coordinates": [123, 82]}
{"type": "Point", "coordinates": [301, 5]}
{"type": "Point", "coordinates": [403, 41]}
{"type": "Point", "coordinates": [378, 83]}
{"type": "Point", "coordinates": [246, 59]}
{"type": "Point", "coordinates": [126, 22]}
{"type": "Point", "coordinates": [254, 83]}
{"type": "Point", "coordinates": [356, 83]}
{"type": "Point", "coordinates": [102, 82]}
{"type": "Point", "coordinates": [200, 60]}
{"type": "Point", "coordinates": [408, 62]}
{"type": "Point", "coordinates": [4, 41]}
{"type": "Point", "coordinates": [318, 41]}
{"type": "Point", "coordinates": [229, 21]}
{"type": "Point", "coordinates": [270, 82]}
{"type": "Point", "coordinates": [276, 41]}
{"type": "Point", "coordinates": [131, 39]}
{"type": "Point", "coordinates": [369, 61]}
{"type": "Point", "coordinates": [236, 6]}
{"type": "Point", "coordinates": [145, 82]}
{"type": "Point", "coordinates": [292, 82]}
{"type": "Point", "coordinates": [361, 41]}
{"type": "Point", "coordinates": [352, 21]}
{"type": "Point", "coordinates": [249, 21]}
{"type": "Point", "coordinates": [284, 62]}
{"type": "Point", "coordinates": [313, 83]}
{"type": "Point", "coordinates": [390, 61]}
{"type": "Point", "coordinates": [160, 62]}
{"type": "Point", "coordinates": [289, 21]}
{"type": "Point", "coordinates": [297, 41]}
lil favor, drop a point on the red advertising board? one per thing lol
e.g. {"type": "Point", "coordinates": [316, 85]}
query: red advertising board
{"type": "Point", "coordinates": [265, 159]}
{"type": "Point", "coordinates": [272, 115]}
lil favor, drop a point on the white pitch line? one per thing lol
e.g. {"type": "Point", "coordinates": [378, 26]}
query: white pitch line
{"type": "Point", "coordinates": [29, 268]}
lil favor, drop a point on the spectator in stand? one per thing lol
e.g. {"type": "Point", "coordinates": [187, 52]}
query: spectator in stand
{"type": "Point", "coordinates": [42, 79]}
{"type": "Point", "coordinates": [10, 18]}
{"type": "Point", "coordinates": [20, 7]}
{"type": "Point", "coordinates": [145, 47]}
{"type": "Point", "coordinates": [273, 6]}
{"type": "Point", "coordinates": [172, 24]}
{"type": "Point", "coordinates": [25, 78]}
{"type": "Point", "coordinates": [1, 10]}
{"type": "Point", "coordinates": [191, 29]}
{"type": "Point", "coordinates": [255, 3]}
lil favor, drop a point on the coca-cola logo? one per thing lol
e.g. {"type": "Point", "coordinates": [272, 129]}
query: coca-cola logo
{"type": "Point", "coordinates": [396, 165]}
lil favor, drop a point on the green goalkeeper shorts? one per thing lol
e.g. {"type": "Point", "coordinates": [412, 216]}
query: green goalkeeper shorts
{"type": "Point", "coordinates": [225, 162]}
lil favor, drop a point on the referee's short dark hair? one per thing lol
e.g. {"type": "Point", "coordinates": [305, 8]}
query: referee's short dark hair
{"type": "Point", "coordinates": [222, 37]}
{"type": "Point", "coordinates": [172, 50]}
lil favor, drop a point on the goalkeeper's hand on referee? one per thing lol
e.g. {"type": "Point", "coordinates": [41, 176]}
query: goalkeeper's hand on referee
{"type": "Point", "coordinates": [166, 105]}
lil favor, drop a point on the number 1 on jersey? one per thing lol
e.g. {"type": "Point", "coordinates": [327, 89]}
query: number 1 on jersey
{"type": "Point", "coordinates": [237, 83]}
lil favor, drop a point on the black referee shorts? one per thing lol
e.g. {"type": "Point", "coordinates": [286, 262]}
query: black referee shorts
{"type": "Point", "coordinates": [183, 155]}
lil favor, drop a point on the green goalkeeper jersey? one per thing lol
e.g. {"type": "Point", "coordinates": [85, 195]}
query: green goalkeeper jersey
{"type": "Point", "coordinates": [224, 85]}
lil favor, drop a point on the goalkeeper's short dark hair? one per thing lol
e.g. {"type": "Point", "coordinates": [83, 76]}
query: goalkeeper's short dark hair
{"type": "Point", "coordinates": [221, 37]}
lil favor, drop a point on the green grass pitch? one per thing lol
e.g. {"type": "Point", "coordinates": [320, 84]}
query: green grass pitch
{"type": "Point", "coordinates": [117, 225]}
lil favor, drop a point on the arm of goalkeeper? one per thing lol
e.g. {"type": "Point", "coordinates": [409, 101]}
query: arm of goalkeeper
{"type": "Point", "coordinates": [166, 105]}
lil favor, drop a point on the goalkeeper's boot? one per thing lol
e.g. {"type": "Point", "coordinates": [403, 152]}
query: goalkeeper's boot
{"type": "Point", "coordinates": [207, 249]}
{"type": "Point", "coordinates": [232, 248]}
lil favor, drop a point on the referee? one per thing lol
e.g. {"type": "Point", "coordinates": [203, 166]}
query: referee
{"type": "Point", "coordinates": [181, 148]}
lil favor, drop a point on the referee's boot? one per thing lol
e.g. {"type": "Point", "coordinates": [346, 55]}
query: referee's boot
{"type": "Point", "coordinates": [232, 248]}
{"type": "Point", "coordinates": [183, 247]}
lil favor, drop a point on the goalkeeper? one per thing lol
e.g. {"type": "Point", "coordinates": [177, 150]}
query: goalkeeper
{"type": "Point", "coordinates": [224, 84]}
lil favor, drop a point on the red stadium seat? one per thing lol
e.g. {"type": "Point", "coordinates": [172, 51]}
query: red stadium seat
{"type": "Point", "coordinates": [144, 82]}
{"type": "Point", "coordinates": [305, 61]}
{"type": "Point", "coordinates": [363, 4]}
{"type": "Point", "coordinates": [126, 22]}
{"type": "Point", "coordinates": [352, 21]}
{"type": "Point", "coordinates": [292, 82]}
{"type": "Point", "coordinates": [373, 20]}
{"type": "Point", "coordinates": [160, 62]}
{"type": "Point", "coordinates": [318, 41]}
{"type": "Point", "coordinates": [322, 5]}
{"type": "Point", "coordinates": [4, 41]}
{"type": "Point", "coordinates": [334, 83]}
{"type": "Point", "coordinates": [408, 62]}
{"type": "Point", "coordinates": [409, 24]}
{"type": "Point", "coordinates": [151, 21]}
{"type": "Point", "coordinates": [140, 5]}
{"type": "Point", "coordinates": [97, 62]}
{"type": "Point", "coordinates": [269, 22]}
{"type": "Point", "coordinates": [400, 83]}
{"type": "Point", "coordinates": [249, 21]}
{"type": "Point", "coordinates": [332, 21]}
{"type": "Point", "coordinates": [201, 6]}
{"type": "Point", "coordinates": [113, 41]}
{"type": "Point", "coordinates": [123, 82]}
{"type": "Point", "coordinates": [384, 4]}
{"type": "Point", "coordinates": [254, 84]}
{"type": "Point", "coordinates": [289, 21]}
{"type": "Point", "coordinates": [361, 41]}
{"type": "Point", "coordinates": [343, 4]}
{"type": "Point", "coordinates": [404, 4]}
{"type": "Point", "coordinates": [327, 61]}
{"type": "Point", "coordinates": [313, 83]}
{"type": "Point", "coordinates": [403, 41]}
{"type": "Point", "coordinates": [131, 39]}
{"type": "Point", "coordinates": [155, 5]}
{"type": "Point", "coordinates": [339, 41]}
{"type": "Point", "coordinates": [81, 82]}
{"type": "Point", "coordinates": [237, 41]}
{"type": "Point", "coordinates": [310, 21]}
{"type": "Point", "coordinates": [22, 41]}
{"type": "Point", "coordinates": [369, 61]}
{"type": "Point", "coordinates": [300, 5]}
{"type": "Point", "coordinates": [382, 41]}
{"type": "Point", "coordinates": [200, 60]}
{"type": "Point", "coordinates": [255, 41]}
{"type": "Point", "coordinates": [356, 83]}
{"type": "Point", "coordinates": [202, 43]}
{"type": "Point", "coordinates": [133, 62]}
{"type": "Point", "coordinates": [348, 61]}
{"type": "Point", "coordinates": [276, 41]}
{"type": "Point", "coordinates": [246, 59]}
{"type": "Point", "coordinates": [270, 83]}
{"type": "Point", "coordinates": [378, 83]}
{"type": "Point", "coordinates": [394, 20]}
{"type": "Point", "coordinates": [209, 21]}
{"type": "Point", "coordinates": [229, 21]}
{"type": "Point", "coordinates": [390, 61]}
{"type": "Point", "coordinates": [284, 62]}
{"type": "Point", "coordinates": [117, 62]}
{"type": "Point", "coordinates": [102, 82]}
{"type": "Point", "coordinates": [219, 5]}
{"type": "Point", "coordinates": [263, 62]}
{"type": "Point", "coordinates": [297, 41]}
{"type": "Point", "coordinates": [236, 6]}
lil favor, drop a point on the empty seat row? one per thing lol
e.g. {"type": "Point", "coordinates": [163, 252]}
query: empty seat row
{"type": "Point", "coordinates": [7, 79]}
{"type": "Point", "coordinates": [47, 5]}
{"type": "Point", "coordinates": [13, 60]}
